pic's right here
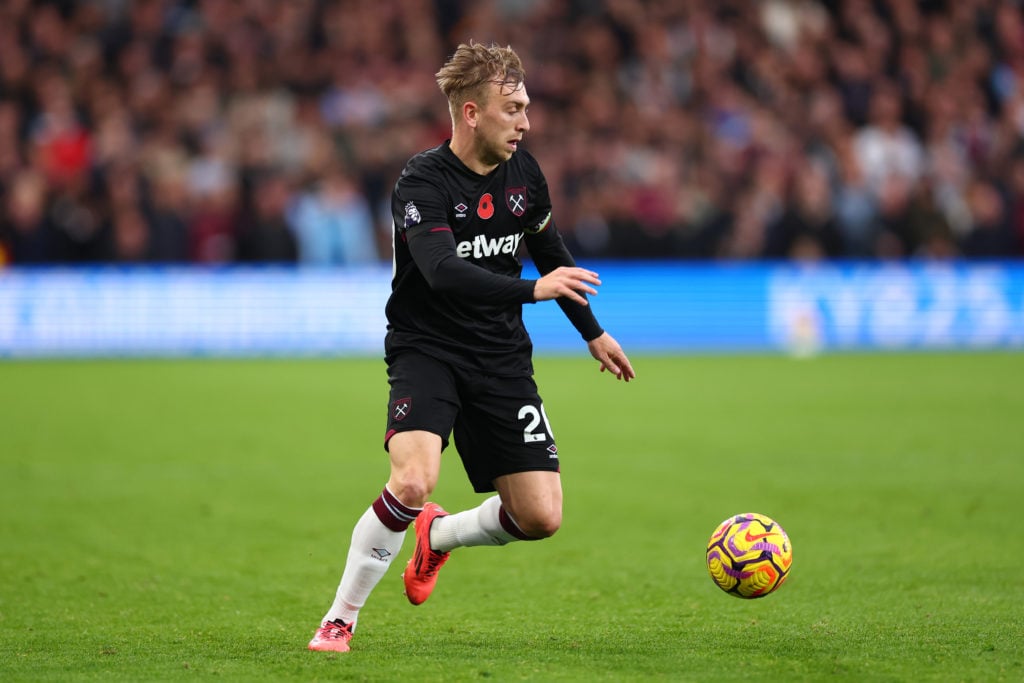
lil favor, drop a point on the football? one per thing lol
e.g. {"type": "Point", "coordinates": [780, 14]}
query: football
{"type": "Point", "coordinates": [749, 555]}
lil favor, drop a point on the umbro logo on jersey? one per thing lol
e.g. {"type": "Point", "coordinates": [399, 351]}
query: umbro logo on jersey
{"type": "Point", "coordinates": [460, 210]}
{"type": "Point", "coordinates": [482, 247]}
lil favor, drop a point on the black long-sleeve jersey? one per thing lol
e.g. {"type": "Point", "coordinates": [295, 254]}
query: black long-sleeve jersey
{"type": "Point", "coordinates": [457, 291]}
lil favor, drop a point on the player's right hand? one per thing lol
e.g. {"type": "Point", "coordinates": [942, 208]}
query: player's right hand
{"type": "Point", "coordinates": [567, 281]}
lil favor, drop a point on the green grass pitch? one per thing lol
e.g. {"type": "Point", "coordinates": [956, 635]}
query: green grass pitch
{"type": "Point", "coordinates": [188, 520]}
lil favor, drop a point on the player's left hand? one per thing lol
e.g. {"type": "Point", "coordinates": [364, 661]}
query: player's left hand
{"type": "Point", "coordinates": [611, 356]}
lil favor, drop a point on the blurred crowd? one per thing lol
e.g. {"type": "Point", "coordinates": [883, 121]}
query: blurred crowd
{"type": "Point", "coordinates": [227, 131]}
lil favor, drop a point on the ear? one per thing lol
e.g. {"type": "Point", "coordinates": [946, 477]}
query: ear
{"type": "Point", "coordinates": [470, 114]}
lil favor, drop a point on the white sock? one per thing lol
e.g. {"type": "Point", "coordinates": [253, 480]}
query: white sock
{"type": "Point", "coordinates": [478, 526]}
{"type": "Point", "coordinates": [369, 556]}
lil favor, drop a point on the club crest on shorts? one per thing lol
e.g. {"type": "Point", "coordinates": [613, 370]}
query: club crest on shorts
{"type": "Point", "coordinates": [515, 200]}
{"type": "Point", "coordinates": [400, 408]}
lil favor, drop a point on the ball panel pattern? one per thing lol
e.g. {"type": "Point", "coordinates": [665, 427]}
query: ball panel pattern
{"type": "Point", "coordinates": [749, 555]}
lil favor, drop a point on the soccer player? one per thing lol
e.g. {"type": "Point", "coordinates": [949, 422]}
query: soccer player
{"type": "Point", "coordinates": [459, 358]}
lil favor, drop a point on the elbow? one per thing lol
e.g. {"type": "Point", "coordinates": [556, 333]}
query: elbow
{"type": "Point", "coordinates": [439, 282]}
{"type": "Point", "coordinates": [441, 278]}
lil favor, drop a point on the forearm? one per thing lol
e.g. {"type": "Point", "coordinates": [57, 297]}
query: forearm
{"type": "Point", "coordinates": [582, 318]}
{"type": "Point", "coordinates": [446, 273]}
{"type": "Point", "coordinates": [549, 252]}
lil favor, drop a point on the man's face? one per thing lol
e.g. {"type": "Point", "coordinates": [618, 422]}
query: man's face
{"type": "Point", "coordinates": [502, 122]}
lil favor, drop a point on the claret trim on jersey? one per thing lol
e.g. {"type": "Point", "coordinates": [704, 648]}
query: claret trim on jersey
{"type": "Point", "coordinates": [540, 227]}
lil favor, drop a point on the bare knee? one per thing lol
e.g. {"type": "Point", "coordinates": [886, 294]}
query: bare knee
{"type": "Point", "coordinates": [540, 524]}
{"type": "Point", "coordinates": [415, 466]}
{"type": "Point", "coordinates": [410, 490]}
{"type": "Point", "coordinates": [533, 500]}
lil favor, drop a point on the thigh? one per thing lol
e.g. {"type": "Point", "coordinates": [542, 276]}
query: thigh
{"type": "Point", "coordinates": [503, 429]}
{"type": "Point", "coordinates": [423, 397]}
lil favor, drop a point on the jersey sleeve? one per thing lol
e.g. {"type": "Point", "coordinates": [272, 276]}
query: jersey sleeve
{"type": "Point", "coordinates": [548, 252]}
{"type": "Point", "coordinates": [422, 202]}
{"type": "Point", "coordinates": [551, 253]}
{"type": "Point", "coordinates": [543, 242]}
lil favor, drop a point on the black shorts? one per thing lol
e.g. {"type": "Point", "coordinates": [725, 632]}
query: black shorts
{"type": "Point", "coordinates": [498, 422]}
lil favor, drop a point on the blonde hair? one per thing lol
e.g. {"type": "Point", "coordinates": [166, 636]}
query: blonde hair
{"type": "Point", "coordinates": [465, 75]}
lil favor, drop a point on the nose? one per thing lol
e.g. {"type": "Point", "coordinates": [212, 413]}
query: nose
{"type": "Point", "coordinates": [524, 124]}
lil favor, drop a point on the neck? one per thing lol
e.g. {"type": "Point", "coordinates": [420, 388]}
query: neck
{"type": "Point", "coordinates": [464, 148]}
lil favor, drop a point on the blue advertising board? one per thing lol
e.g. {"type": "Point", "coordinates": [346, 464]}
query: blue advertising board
{"type": "Point", "coordinates": [802, 308]}
{"type": "Point", "coordinates": [663, 307]}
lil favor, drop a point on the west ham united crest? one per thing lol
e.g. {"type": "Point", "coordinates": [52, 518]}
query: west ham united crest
{"type": "Point", "coordinates": [400, 408]}
{"type": "Point", "coordinates": [515, 199]}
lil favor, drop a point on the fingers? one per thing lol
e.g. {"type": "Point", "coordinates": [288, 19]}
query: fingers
{"type": "Point", "coordinates": [578, 280]}
{"type": "Point", "coordinates": [583, 274]}
{"type": "Point", "coordinates": [621, 368]}
{"type": "Point", "coordinates": [626, 371]}
{"type": "Point", "coordinates": [567, 282]}
{"type": "Point", "coordinates": [574, 295]}
{"type": "Point", "coordinates": [612, 358]}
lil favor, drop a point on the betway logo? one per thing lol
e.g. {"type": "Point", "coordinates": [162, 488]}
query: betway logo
{"type": "Point", "coordinates": [482, 247]}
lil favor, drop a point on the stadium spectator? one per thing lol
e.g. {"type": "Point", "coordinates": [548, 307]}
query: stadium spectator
{"type": "Point", "coordinates": [886, 150]}
{"type": "Point", "coordinates": [807, 229]}
{"type": "Point", "coordinates": [659, 117]}
{"type": "Point", "coordinates": [25, 233]}
{"type": "Point", "coordinates": [167, 217]}
{"type": "Point", "coordinates": [333, 222]}
{"type": "Point", "coordinates": [265, 235]}
{"type": "Point", "coordinates": [991, 235]}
